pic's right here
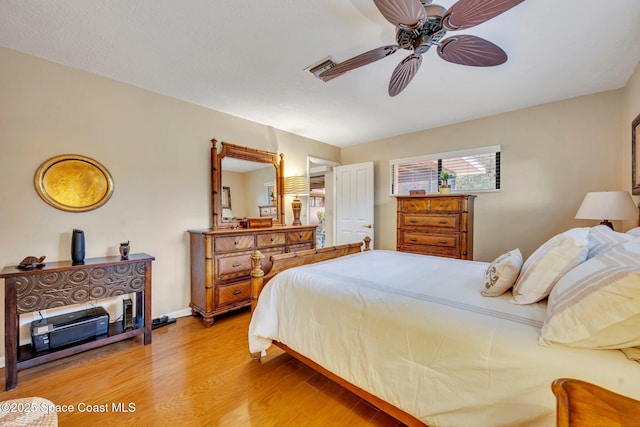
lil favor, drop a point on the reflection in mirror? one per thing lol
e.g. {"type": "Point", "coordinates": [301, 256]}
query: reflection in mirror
{"type": "Point", "coordinates": [244, 173]}
{"type": "Point", "coordinates": [246, 182]}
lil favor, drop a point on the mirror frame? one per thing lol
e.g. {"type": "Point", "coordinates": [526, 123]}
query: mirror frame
{"type": "Point", "coordinates": [635, 179]}
{"type": "Point", "coordinates": [242, 153]}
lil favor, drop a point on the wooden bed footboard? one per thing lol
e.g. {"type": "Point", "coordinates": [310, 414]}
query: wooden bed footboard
{"type": "Point", "coordinates": [580, 403]}
{"type": "Point", "coordinates": [282, 262]}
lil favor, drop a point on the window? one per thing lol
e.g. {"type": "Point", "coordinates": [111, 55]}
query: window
{"type": "Point", "coordinates": [471, 170]}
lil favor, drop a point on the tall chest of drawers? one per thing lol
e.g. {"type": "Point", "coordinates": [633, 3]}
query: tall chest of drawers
{"type": "Point", "coordinates": [440, 225]}
{"type": "Point", "coordinates": [221, 263]}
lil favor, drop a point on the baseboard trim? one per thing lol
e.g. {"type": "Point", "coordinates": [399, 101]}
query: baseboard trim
{"type": "Point", "coordinates": [180, 313]}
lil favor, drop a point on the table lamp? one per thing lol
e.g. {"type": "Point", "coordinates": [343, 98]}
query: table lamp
{"type": "Point", "coordinates": [607, 205]}
{"type": "Point", "coordinates": [296, 186]}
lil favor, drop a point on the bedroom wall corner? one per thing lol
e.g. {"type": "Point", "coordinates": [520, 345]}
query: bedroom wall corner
{"type": "Point", "coordinates": [552, 155]}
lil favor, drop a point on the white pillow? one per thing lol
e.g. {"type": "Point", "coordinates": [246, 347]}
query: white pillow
{"type": "Point", "coordinates": [635, 232]}
{"type": "Point", "coordinates": [602, 238]}
{"type": "Point", "coordinates": [549, 263]}
{"type": "Point", "coordinates": [597, 304]}
{"type": "Point", "coordinates": [502, 273]}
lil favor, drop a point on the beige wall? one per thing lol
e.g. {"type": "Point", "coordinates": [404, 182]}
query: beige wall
{"type": "Point", "coordinates": [631, 111]}
{"type": "Point", "coordinates": [155, 147]}
{"type": "Point", "coordinates": [157, 150]}
{"type": "Point", "coordinates": [551, 156]}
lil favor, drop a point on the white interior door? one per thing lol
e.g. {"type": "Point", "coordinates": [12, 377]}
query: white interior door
{"type": "Point", "coordinates": [354, 202]}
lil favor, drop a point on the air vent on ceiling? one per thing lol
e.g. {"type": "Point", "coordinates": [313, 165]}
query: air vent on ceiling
{"type": "Point", "coordinates": [321, 66]}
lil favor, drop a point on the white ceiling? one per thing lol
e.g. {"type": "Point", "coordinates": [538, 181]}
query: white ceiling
{"type": "Point", "coordinates": [247, 58]}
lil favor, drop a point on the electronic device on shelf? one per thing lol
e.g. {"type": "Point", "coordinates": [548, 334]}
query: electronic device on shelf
{"type": "Point", "coordinates": [127, 314]}
{"type": "Point", "coordinates": [58, 331]}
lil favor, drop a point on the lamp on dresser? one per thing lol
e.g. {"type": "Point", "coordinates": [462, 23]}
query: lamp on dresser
{"type": "Point", "coordinates": [607, 205]}
{"type": "Point", "coordinates": [296, 186]}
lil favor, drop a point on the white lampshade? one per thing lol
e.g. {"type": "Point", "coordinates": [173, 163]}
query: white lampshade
{"type": "Point", "coordinates": [296, 185]}
{"type": "Point", "coordinates": [607, 205]}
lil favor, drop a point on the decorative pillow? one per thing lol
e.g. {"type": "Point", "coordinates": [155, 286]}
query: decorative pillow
{"type": "Point", "coordinates": [603, 238]}
{"type": "Point", "coordinates": [597, 304]}
{"type": "Point", "coordinates": [549, 263]}
{"type": "Point", "coordinates": [502, 273]}
{"type": "Point", "coordinates": [635, 232]}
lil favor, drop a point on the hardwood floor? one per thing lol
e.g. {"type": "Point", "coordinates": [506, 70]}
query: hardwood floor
{"type": "Point", "coordinates": [193, 376]}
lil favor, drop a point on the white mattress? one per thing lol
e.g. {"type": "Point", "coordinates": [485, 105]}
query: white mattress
{"type": "Point", "coordinates": [415, 331]}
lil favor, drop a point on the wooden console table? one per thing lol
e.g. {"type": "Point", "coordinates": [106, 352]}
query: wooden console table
{"type": "Point", "coordinates": [58, 284]}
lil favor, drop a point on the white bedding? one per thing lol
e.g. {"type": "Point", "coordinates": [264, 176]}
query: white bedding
{"type": "Point", "coordinates": [415, 331]}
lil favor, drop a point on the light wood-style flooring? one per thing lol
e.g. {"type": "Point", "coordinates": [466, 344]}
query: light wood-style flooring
{"type": "Point", "coordinates": [193, 376]}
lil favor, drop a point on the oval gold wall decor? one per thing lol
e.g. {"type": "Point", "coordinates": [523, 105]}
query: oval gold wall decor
{"type": "Point", "coordinates": [73, 183]}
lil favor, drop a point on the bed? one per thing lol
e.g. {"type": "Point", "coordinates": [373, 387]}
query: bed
{"type": "Point", "coordinates": [414, 335]}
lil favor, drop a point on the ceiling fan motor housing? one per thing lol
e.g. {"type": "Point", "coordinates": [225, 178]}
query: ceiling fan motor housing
{"type": "Point", "coordinates": [431, 32]}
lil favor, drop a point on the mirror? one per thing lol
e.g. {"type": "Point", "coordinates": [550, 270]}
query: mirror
{"type": "Point", "coordinates": [245, 182]}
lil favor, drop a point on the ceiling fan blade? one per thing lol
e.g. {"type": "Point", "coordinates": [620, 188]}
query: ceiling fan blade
{"type": "Point", "coordinates": [471, 50]}
{"type": "Point", "coordinates": [469, 13]}
{"type": "Point", "coordinates": [406, 12]}
{"type": "Point", "coordinates": [404, 73]}
{"type": "Point", "coordinates": [360, 60]}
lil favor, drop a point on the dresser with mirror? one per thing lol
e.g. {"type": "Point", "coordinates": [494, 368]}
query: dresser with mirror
{"type": "Point", "coordinates": [243, 181]}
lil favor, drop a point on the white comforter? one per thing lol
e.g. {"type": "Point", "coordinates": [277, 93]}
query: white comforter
{"type": "Point", "coordinates": [415, 331]}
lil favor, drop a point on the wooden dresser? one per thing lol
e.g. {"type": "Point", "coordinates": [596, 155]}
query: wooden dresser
{"type": "Point", "coordinates": [439, 225]}
{"type": "Point", "coordinates": [221, 263]}
{"type": "Point", "coordinates": [268, 210]}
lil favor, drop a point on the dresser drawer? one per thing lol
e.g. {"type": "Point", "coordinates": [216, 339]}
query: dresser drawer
{"type": "Point", "coordinates": [233, 265]}
{"type": "Point", "coordinates": [449, 205]}
{"type": "Point", "coordinates": [234, 293]}
{"type": "Point", "coordinates": [419, 205]}
{"type": "Point", "coordinates": [300, 236]}
{"type": "Point", "coordinates": [431, 250]}
{"type": "Point", "coordinates": [451, 241]}
{"type": "Point", "coordinates": [300, 247]}
{"type": "Point", "coordinates": [269, 211]}
{"type": "Point", "coordinates": [231, 243]}
{"type": "Point", "coordinates": [445, 222]}
{"type": "Point", "coordinates": [270, 239]}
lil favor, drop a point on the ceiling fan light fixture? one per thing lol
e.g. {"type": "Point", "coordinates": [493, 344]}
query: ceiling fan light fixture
{"type": "Point", "coordinates": [434, 11]}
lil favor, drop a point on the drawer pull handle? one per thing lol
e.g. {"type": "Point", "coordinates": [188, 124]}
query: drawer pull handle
{"type": "Point", "coordinates": [272, 239]}
{"type": "Point", "coordinates": [235, 243]}
{"type": "Point", "coordinates": [413, 221]}
{"type": "Point", "coordinates": [300, 235]}
{"type": "Point", "coordinates": [443, 242]}
{"type": "Point", "coordinates": [442, 222]}
{"type": "Point", "coordinates": [237, 264]}
{"type": "Point", "coordinates": [237, 292]}
{"type": "Point", "coordinates": [414, 240]}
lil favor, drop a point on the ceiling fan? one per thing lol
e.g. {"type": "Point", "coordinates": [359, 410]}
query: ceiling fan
{"type": "Point", "coordinates": [420, 25]}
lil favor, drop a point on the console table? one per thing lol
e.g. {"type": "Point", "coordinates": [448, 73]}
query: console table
{"type": "Point", "coordinates": [59, 284]}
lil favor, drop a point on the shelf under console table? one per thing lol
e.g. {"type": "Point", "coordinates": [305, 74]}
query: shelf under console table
{"type": "Point", "coordinates": [59, 284]}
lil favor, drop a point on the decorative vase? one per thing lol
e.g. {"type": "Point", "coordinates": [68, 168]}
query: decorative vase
{"type": "Point", "coordinates": [77, 247]}
{"type": "Point", "coordinates": [124, 250]}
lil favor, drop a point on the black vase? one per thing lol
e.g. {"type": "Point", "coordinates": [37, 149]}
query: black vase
{"type": "Point", "coordinates": [77, 247]}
